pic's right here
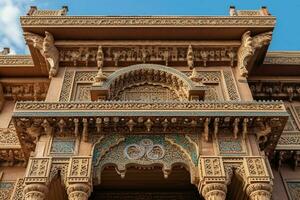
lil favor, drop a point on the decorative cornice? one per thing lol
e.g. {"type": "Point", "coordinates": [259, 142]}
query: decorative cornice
{"type": "Point", "coordinates": [151, 21]}
{"type": "Point", "coordinates": [150, 106]}
{"type": "Point", "coordinates": [16, 60]}
{"type": "Point", "coordinates": [283, 58]}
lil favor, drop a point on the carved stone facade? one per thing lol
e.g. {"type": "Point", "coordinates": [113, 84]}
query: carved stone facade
{"type": "Point", "coordinates": [148, 115]}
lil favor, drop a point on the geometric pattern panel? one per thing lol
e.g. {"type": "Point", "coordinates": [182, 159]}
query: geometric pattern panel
{"type": "Point", "coordinates": [293, 188]}
{"type": "Point", "coordinates": [63, 146]}
{"type": "Point", "coordinates": [231, 146]}
{"type": "Point", "coordinates": [6, 189]}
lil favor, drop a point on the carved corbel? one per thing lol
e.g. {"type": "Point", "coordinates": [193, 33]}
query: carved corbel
{"type": "Point", "coordinates": [206, 129]}
{"type": "Point", "coordinates": [47, 127]}
{"type": "Point", "coordinates": [51, 54]}
{"type": "Point", "coordinates": [85, 134]}
{"type": "Point", "coordinates": [245, 53]}
{"type": "Point", "coordinates": [236, 127]}
{"type": "Point", "coordinates": [1, 97]}
{"type": "Point", "coordinates": [262, 135]}
{"type": "Point", "coordinates": [47, 49]}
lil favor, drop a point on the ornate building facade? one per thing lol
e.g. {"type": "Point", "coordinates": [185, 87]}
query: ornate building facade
{"type": "Point", "coordinates": [160, 107]}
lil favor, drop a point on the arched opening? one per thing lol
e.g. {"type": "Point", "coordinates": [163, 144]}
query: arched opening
{"type": "Point", "coordinates": [57, 189]}
{"type": "Point", "coordinates": [145, 182]}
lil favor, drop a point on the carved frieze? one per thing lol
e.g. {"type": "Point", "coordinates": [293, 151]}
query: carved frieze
{"type": "Point", "coordinates": [16, 60]}
{"type": "Point", "coordinates": [28, 91]}
{"type": "Point", "coordinates": [125, 55]}
{"type": "Point", "coordinates": [6, 189]}
{"type": "Point", "coordinates": [283, 90]}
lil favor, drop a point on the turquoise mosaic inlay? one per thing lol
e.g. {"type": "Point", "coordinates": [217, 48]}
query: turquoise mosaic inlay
{"type": "Point", "coordinates": [293, 188]}
{"type": "Point", "coordinates": [6, 185]}
{"type": "Point", "coordinates": [62, 146]}
{"type": "Point", "coordinates": [230, 146]}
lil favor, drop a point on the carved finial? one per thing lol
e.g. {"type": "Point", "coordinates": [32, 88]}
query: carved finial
{"type": "Point", "coordinates": [236, 127]}
{"type": "Point", "coordinates": [245, 53]}
{"type": "Point", "coordinates": [232, 11]}
{"type": "Point", "coordinates": [131, 124]}
{"type": "Point", "coordinates": [190, 57]}
{"type": "Point", "coordinates": [206, 129]}
{"type": "Point", "coordinates": [5, 51]}
{"type": "Point", "coordinates": [100, 78]}
{"type": "Point", "coordinates": [195, 76]}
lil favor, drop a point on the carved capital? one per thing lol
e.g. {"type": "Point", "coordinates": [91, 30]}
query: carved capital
{"type": "Point", "coordinates": [259, 191]}
{"type": "Point", "coordinates": [214, 191]}
{"type": "Point", "coordinates": [35, 192]}
{"type": "Point", "coordinates": [79, 191]}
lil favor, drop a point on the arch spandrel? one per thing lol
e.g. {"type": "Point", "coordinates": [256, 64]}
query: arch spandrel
{"type": "Point", "coordinates": [143, 151]}
{"type": "Point", "coordinates": [149, 75]}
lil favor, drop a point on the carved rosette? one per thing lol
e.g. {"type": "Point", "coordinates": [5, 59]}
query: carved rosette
{"type": "Point", "coordinates": [35, 192]}
{"type": "Point", "coordinates": [79, 191]}
{"type": "Point", "coordinates": [259, 191]}
{"type": "Point", "coordinates": [214, 191]}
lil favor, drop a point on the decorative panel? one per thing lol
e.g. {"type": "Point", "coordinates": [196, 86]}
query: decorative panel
{"type": "Point", "coordinates": [293, 189]}
{"type": "Point", "coordinates": [63, 146]}
{"type": "Point", "coordinates": [231, 86]}
{"type": "Point", "coordinates": [147, 93]}
{"type": "Point", "coordinates": [6, 189]}
{"type": "Point", "coordinates": [231, 146]}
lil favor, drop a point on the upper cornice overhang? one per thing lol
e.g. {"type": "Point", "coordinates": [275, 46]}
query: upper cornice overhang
{"type": "Point", "coordinates": [19, 66]}
{"type": "Point", "coordinates": [148, 27]}
{"type": "Point", "coordinates": [279, 63]}
{"type": "Point", "coordinates": [191, 116]}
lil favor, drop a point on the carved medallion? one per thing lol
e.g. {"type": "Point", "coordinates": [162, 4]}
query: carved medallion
{"type": "Point", "coordinates": [146, 149]}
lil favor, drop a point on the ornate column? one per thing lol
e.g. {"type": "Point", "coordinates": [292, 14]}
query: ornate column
{"type": "Point", "coordinates": [79, 185]}
{"type": "Point", "coordinates": [212, 184]}
{"type": "Point", "coordinates": [37, 179]}
{"type": "Point", "coordinates": [259, 191]}
{"type": "Point", "coordinates": [79, 191]}
{"type": "Point", "coordinates": [214, 191]}
{"type": "Point", "coordinates": [35, 191]}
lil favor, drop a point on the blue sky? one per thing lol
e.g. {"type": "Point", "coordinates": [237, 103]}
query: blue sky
{"type": "Point", "coordinates": [286, 35]}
